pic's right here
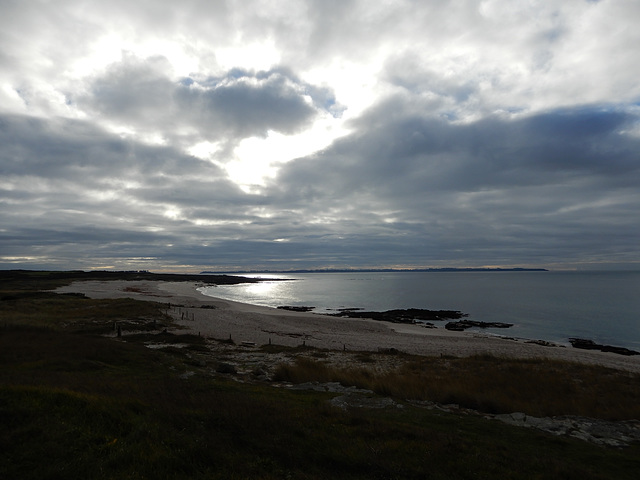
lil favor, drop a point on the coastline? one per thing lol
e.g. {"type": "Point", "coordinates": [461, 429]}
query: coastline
{"type": "Point", "coordinates": [223, 319]}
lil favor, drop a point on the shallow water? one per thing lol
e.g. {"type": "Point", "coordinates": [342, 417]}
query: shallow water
{"type": "Point", "coordinates": [553, 306]}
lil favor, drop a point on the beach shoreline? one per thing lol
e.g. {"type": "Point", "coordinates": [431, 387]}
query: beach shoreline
{"type": "Point", "coordinates": [215, 318]}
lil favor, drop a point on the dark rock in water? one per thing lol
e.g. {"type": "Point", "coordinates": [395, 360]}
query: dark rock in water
{"type": "Point", "coordinates": [296, 309]}
{"type": "Point", "coordinates": [591, 345]}
{"type": "Point", "coordinates": [424, 324]}
{"type": "Point", "coordinates": [584, 344]}
{"type": "Point", "coordinates": [464, 324]}
{"type": "Point", "coordinates": [402, 315]}
{"type": "Point", "coordinates": [454, 326]}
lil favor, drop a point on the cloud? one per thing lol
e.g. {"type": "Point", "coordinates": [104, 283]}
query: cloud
{"type": "Point", "coordinates": [561, 181]}
{"type": "Point", "coordinates": [403, 189]}
{"type": "Point", "coordinates": [140, 94]}
{"type": "Point", "coordinates": [67, 183]}
{"type": "Point", "coordinates": [326, 133]}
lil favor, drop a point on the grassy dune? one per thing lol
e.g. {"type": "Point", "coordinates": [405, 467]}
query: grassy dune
{"type": "Point", "coordinates": [74, 404]}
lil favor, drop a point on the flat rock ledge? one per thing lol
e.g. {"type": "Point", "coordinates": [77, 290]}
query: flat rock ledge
{"type": "Point", "coordinates": [600, 432]}
{"type": "Point", "coordinates": [591, 345]}
{"type": "Point", "coordinates": [408, 315]}
{"type": "Point", "coordinates": [464, 324]}
{"type": "Point", "coordinates": [351, 397]}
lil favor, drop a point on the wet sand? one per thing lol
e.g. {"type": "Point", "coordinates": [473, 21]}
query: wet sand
{"type": "Point", "coordinates": [260, 325]}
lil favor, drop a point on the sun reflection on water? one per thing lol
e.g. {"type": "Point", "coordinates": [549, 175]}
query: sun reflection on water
{"type": "Point", "coordinates": [273, 291]}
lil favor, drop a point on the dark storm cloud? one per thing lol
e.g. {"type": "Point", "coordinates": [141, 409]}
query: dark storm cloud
{"type": "Point", "coordinates": [238, 105]}
{"type": "Point", "coordinates": [68, 186]}
{"type": "Point", "coordinates": [545, 186]}
{"type": "Point", "coordinates": [409, 148]}
{"type": "Point", "coordinates": [403, 189]}
{"type": "Point", "coordinates": [77, 151]}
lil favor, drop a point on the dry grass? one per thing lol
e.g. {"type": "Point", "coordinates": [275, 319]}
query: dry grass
{"type": "Point", "coordinates": [491, 384]}
{"type": "Point", "coordinates": [77, 313]}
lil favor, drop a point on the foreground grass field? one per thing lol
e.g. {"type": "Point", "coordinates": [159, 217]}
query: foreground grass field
{"type": "Point", "coordinates": [74, 404]}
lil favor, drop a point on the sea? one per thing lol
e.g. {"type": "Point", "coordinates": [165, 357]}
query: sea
{"type": "Point", "coordinates": [603, 306]}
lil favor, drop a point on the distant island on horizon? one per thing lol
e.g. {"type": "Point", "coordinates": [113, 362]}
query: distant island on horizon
{"type": "Point", "coordinates": [381, 270]}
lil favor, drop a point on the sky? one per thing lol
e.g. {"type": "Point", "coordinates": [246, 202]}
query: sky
{"type": "Point", "coordinates": [230, 135]}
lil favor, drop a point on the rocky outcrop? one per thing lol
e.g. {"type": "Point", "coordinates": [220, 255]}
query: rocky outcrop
{"type": "Point", "coordinates": [409, 315]}
{"type": "Point", "coordinates": [601, 432]}
{"type": "Point", "coordinates": [296, 308]}
{"type": "Point", "coordinates": [591, 345]}
{"type": "Point", "coordinates": [351, 397]}
{"type": "Point", "coordinates": [464, 324]}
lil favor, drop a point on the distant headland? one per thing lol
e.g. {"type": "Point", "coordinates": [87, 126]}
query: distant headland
{"type": "Point", "coordinates": [380, 270]}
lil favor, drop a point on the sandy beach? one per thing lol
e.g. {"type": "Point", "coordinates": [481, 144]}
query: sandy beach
{"type": "Point", "coordinates": [222, 319]}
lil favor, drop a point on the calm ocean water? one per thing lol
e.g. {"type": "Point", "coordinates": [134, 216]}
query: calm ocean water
{"type": "Point", "coordinates": [554, 306]}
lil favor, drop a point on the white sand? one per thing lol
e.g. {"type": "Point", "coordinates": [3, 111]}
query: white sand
{"type": "Point", "coordinates": [251, 323]}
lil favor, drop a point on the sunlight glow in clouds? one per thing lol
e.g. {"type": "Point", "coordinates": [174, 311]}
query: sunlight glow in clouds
{"type": "Point", "coordinates": [258, 159]}
{"type": "Point", "coordinates": [255, 56]}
